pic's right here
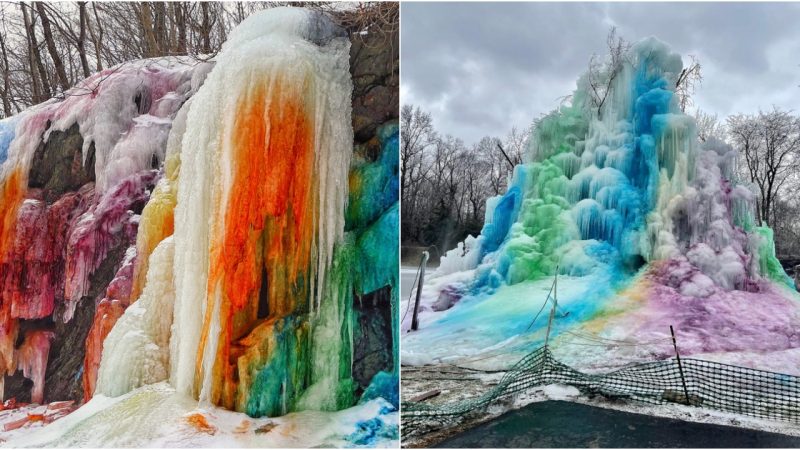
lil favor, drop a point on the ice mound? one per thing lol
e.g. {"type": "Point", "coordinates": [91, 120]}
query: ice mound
{"type": "Point", "coordinates": [646, 227]}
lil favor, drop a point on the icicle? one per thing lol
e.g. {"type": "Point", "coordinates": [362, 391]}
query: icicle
{"type": "Point", "coordinates": [634, 179]}
{"type": "Point", "coordinates": [136, 351]}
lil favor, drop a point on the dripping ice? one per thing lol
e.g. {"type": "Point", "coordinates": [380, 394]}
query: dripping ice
{"type": "Point", "coordinates": [165, 325]}
{"type": "Point", "coordinates": [646, 225]}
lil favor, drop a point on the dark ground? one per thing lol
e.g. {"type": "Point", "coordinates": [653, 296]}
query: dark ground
{"type": "Point", "coordinates": [558, 424]}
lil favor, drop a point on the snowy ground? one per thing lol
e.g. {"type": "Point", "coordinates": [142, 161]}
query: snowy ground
{"type": "Point", "coordinates": [456, 385]}
{"type": "Point", "coordinates": [453, 346]}
{"type": "Point", "coordinates": [155, 416]}
{"type": "Point", "coordinates": [485, 333]}
{"type": "Point", "coordinates": [592, 333]}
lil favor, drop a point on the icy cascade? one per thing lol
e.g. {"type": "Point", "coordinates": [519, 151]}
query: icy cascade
{"type": "Point", "coordinates": [627, 196]}
{"type": "Point", "coordinates": [267, 255]}
{"type": "Point", "coordinates": [619, 188]}
{"type": "Point", "coordinates": [76, 170]}
{"type": "Point", "coordinates": [267, 246]}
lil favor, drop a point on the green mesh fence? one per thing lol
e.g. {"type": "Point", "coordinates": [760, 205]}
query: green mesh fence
{"type": "Point", "coordinates": [710, 385]}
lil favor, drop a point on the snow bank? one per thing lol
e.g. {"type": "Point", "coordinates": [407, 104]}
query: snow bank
{"type": "Point", "coordinates": [157, 416]}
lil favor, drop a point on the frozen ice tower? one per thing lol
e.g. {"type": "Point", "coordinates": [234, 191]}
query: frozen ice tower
{"type": "Point", "coordinates": [646, 227]}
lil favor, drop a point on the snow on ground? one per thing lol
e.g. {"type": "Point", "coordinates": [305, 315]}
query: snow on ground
{"type": "Point", "coordinates": [491, 332]}
{"type": "Point", "coordinates": [672, 410]}
{"type": "Point", "coordinates": [155, 416]}
{"type": "Point", "coordinates": [478, 383]}
{"type": "Point", "coordinates": [782, 361]}
{"type": "Point", "coordinates": [486, 332]}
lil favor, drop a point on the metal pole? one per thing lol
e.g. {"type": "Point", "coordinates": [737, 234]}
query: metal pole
{"type": "Point", "coordinates": [422, 264]}
{"type": "Point", "coordinates": [680, 367]}
{"type": "Point", "coordinates": [549, 322]}
{"type": "Point", "coordinates": [555, 291]}
{"type": "Point", "coordinates": [553, 310]}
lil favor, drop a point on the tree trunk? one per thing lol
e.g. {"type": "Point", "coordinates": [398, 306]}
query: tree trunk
{"type": "Point", "coordinates": [172, 29]}
{"type": "Point", "coordinates": [160, 28]}
{"type": "Point", "coordinates": [239, 12]}
{"type": "Point", "coordinates": [39, 85]}
{"type": "Point", "coordinates": [205, 30]}
{"type": "Point", "coordinates": [6, 79]}
{"type": "Point", "coordinates": [97, 38]}
{"type": "Point", "coordinates": [222, 32]}
{"type": "Point", "coordinates": [146, 23]}
{"type": "Point", "coordinates": [180, 22]}
{"type": "Point", "coordinates": [81, 43]}
{"type": "Point", "coordinates": [63, 81]}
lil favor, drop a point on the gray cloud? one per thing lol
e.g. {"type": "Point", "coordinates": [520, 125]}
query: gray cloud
{"type": "Point", "coordinates": [481, 68]}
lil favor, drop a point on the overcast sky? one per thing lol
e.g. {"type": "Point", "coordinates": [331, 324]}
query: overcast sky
{"type": "Point", "coordinates": [480, 68]}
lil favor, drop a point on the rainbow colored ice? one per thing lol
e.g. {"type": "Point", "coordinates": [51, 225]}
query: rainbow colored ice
{"type": "Point", "coordinates": [646, 227]}
{"type": "Point", "coordinates": [269, 249]}
{"type": "Point", "coordinates": [260, 227]}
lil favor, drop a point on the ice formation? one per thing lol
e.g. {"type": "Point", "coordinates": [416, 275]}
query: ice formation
{"type": "Point", "coordinates": [219, 216]}
{"type": "Point", "coordinates": [646, 226]}
{"type": "Point", "coordinates": [61, 214]}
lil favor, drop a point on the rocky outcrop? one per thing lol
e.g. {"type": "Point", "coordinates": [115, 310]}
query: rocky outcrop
{"type": "Point", "coordinates": [63, 236]}
{"type": "Point", "coordinates": [374, 337]}
{"type": "Point", "coordinates": [58, 166]}
{"type": "Point", "coordinates": [69, 345]}
{"type": "Point", "coordinates": [374, 66]}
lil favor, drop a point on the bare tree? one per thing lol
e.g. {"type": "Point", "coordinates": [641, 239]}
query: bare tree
{"type": "Point", "coordinates": [180, 24]}
{"type": "Point", "coordinates": [516, 141]}
{"type": "Point", "coordinates": [46, 48]}
{"type": "Point", "coordinates": [492, 165]}
{"type": "Point", "coordinates": [708, 126]}
{"type": "Point", "coordinates": [602, 73]}
{"type": "Point", "coordinates": [6, 67]}
{"type": "Point", "coordinates": [769, 154]}
{"type": "Point", "coordinates": [687, 82]}
{"type": "Point", "coordinates": [206, 25]}
{"type": "Point", "coordinates": [416, 136]}
{"type": "Point", "coordinates": [51, 47]}
{"type": "Point", "coordinates": [96, 32]}
{"type": "Point", "coordinates": [445, 184]}
{"type": "Point", "coordinates": [40, 83]}
{"type": "Point", "coordinates": [81, 41]}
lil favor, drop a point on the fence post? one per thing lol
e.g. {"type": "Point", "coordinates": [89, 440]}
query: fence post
{"type": "Point", "coordinates": [680, 366]}
{"type": "Point", "coordinates": [423, 264]}
{"type": "Point", "coordinates": [553, 310]}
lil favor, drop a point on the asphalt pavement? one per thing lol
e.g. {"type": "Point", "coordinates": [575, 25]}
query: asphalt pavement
{"type": "Point", "coordinates": [559, 424]}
